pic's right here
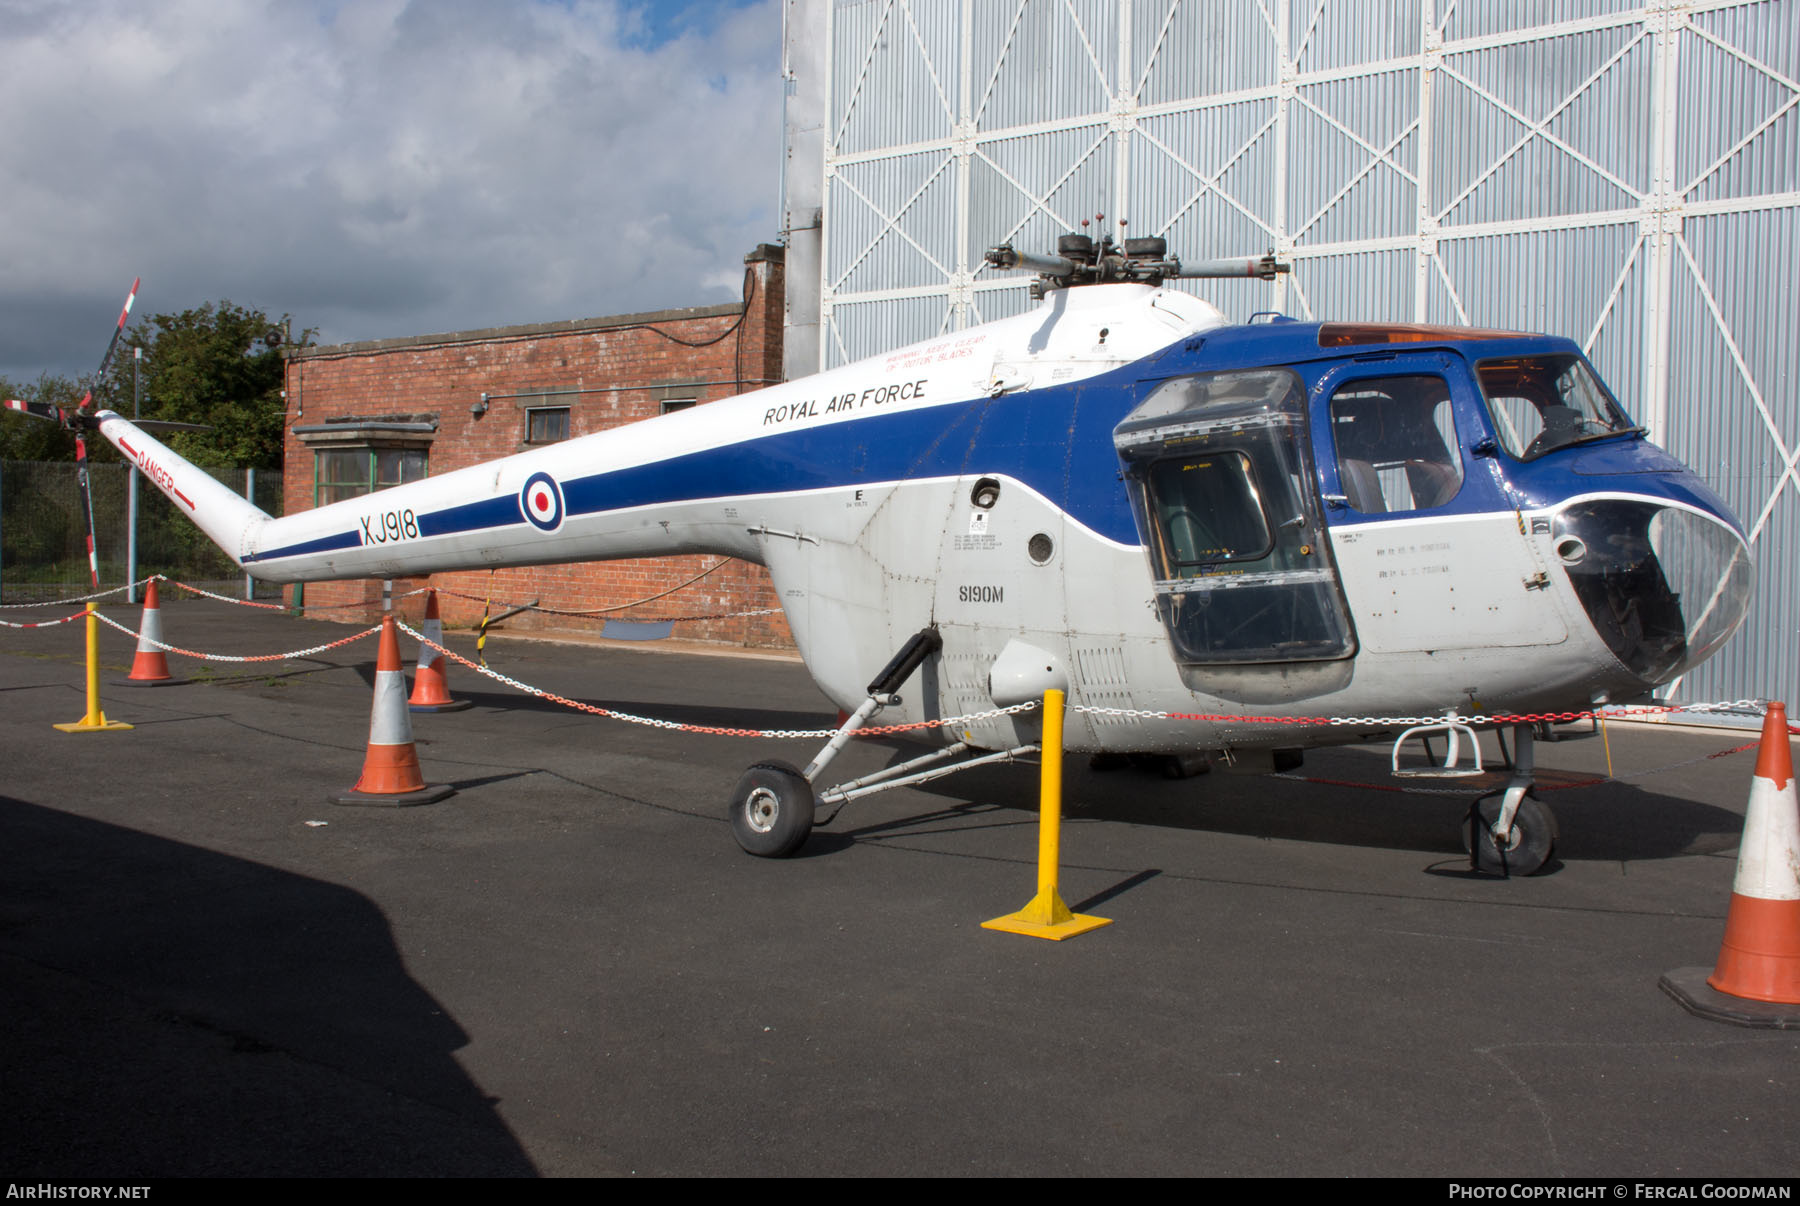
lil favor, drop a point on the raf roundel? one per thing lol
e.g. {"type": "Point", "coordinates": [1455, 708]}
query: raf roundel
{"type": "Point", "coordinates": [542, 502]}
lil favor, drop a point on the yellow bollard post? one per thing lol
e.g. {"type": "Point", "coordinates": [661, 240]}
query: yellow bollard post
{"type": "Point", "coordinates": [95, 721]}
{"type": "Point", "coordinates": [1047, 916]}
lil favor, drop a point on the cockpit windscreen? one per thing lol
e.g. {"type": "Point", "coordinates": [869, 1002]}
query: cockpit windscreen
{"type": "Point", "coordinates": [1542, 403]}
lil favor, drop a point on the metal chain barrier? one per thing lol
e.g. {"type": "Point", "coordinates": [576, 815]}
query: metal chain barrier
{"type": "Point", "coordinates": [1740, 706]}
{"type": "Point", "coordinates": [43, 623]}
{"type": "Point", "coordinates": [195, 590]}
{"type": "Point", "coordinates": [604, 613]}
{"type": "Point", "coordinates": [282, 606]}
{"type": "Point", "coordinates": [227, 657]}
{"type": "Point", "coordinates": [779, 734]}
{"type": "Point", "coordinates": [1754, 707]}
{"type": "Point", "coordinates": [600, 613]}
{"type": "Point", "coordinates": [117, 590]}
{"type": "Point", "coordinates": [1597, 780]}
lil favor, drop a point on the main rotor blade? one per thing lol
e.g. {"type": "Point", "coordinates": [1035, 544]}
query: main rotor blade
{"type": "Point", "coordinates": [37, 410]}
{"type": "Point", "coordinates": [169, 425]}
{"type": "Point", "coordinates": [55, 414]}
{"type": "Point", "coordinates": [111, 346]}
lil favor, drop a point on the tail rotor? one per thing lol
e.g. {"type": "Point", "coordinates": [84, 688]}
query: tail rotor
{"type": "Point", "coordinates": [79, 420]}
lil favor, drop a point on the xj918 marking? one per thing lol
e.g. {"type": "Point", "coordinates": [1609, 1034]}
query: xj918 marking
{"type": "Point", "coordinates": [390, 525]}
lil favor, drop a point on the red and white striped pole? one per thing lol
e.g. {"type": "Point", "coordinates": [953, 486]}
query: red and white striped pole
{"type": "Point", "coordinates": [1756, 981]}
{"type": "Point", "coordinates": [391, 774]}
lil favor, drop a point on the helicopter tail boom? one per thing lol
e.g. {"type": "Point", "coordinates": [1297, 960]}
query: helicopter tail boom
{"type": "Point", "coordinates": [228, 519]}
{"type": "Point", "coordinates": [509, 512]}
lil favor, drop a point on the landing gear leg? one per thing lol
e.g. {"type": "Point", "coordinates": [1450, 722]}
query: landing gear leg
{"type": "Point", "coordinates": [772, 809]}
{"type": "Point", "coordinates": [1509, 832]}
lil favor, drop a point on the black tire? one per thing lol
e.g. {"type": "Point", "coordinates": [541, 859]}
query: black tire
{"type": "Point", "coordinates": [1529, 848]}
{"type": "Point", "coordinates": [772, 810]}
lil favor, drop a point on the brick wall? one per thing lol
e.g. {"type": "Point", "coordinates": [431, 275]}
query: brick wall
{"type": "Point", "coordinates": [627, 366]}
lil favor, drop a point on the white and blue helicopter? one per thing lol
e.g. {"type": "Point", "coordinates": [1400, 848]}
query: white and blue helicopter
{"type": "Point", "coordinates": [1186, 525]}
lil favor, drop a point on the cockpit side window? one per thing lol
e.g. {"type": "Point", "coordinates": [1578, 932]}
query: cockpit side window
{"type": "Point", "coordinates": [1219, 473]}
{"type": "Point", "coordinates": [1542, 403]}
{"type": "Point", "coordinates": [1396, 444]}
{"type": "Point", "coordinates": [1208, 511]}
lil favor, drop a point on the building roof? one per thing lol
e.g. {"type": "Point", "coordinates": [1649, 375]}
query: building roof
{"type": "Point", "coordinates": [574, 326]}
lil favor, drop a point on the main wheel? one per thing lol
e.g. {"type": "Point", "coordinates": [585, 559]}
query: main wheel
{"type": "Point", "coordinates": [1526, 849]}
{"type": "Point", "coordinates": [772, 810]}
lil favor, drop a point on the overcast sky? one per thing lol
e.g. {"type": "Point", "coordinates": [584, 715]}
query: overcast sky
{"type": "Point", "coordinates": [377, 168]}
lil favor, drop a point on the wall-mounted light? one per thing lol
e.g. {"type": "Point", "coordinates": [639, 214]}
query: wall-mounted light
{"type": "Point", "coordinates": [479, 408]}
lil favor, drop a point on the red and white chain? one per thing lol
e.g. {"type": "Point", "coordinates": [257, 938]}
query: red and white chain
{"type": "Point", "coordinates": [82, 598]}
{"type": "Point", "coordinates": [227, 657]}
{"type": "Point", "coordinates": [45, 623]}
{"type": "Point", "coordinates": [716, 730]}
{"type": "Point", "coordinates": [1752, 706]}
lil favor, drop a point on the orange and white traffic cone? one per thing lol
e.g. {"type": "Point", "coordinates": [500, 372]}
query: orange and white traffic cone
{"type": "Point", "coordinates": [391, 772]}
{"type": "Point", "coordinates": [150, 668]}
{"type": "Point", "coordinates": [431, 691]}
{"type": "Point", "coordinates": [1756, 981]}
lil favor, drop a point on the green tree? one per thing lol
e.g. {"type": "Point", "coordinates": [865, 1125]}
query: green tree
{"type": "Point", "coordinates": [215, 364]}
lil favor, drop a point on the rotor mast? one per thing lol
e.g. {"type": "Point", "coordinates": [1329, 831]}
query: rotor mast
{"type": "Point", "coordinates": [1079, 260]}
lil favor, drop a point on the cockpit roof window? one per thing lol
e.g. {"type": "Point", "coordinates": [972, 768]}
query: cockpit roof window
{"type": "Point", "coordinates": [1542, 403]}
{"type": "Point", "coordinates": [1349, 334]}
{"type": "Point", "coordinates": [1254, 395]}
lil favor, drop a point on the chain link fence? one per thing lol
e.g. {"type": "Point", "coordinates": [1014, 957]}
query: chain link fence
{"type": "Point", "coordinates": [43, 533]}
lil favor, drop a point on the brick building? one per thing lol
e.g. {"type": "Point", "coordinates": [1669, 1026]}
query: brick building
{"type": "Point", "coordinates": [363, 416]}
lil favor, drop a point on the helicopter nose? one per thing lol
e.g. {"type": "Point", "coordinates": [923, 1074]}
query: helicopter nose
{"type": "Point", "coordinates": [1664, 585]}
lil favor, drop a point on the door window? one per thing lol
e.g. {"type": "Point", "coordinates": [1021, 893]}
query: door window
{"type": "Point", "coordinates": [1396, 444]}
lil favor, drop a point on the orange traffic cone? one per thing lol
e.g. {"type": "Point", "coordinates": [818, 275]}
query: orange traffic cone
{"type": "Point", "coordinates": [391, 770]}
{"type": "Point", "coordinates": [1756, 981]}
{"type": "Point", "coordinates": [431, 691]}
{"type": "Point", "coordinates": [150, 668]}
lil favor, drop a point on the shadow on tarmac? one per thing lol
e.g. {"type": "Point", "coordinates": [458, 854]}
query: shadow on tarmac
{"type": "Point", "coordinates": [1357, 805]}
{"type": "Point", "coordinates": [136, 971]}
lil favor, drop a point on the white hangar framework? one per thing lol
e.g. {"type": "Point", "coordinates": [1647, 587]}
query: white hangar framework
{"type": "Point", "coordinates": [1627, 174]}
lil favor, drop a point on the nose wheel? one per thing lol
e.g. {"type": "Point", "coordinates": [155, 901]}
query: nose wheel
{"type": "Point", "coordinates": [1509, 832]}
{"type": "Point", "coordinates": [1522, 848]}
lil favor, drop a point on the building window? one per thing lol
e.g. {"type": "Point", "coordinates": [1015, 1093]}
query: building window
{"type": "Point", "coordinates": [341, 473]}
{"type": "Point", "coordinates": [671, 405]}
{"type": "Point", "coordinates": [354, 456]}
{"type": "Point", "coordinates": [546, 424]}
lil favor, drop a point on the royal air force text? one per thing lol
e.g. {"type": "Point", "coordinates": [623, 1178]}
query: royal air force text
{"type": "Point", "coordinates": [839, 404]}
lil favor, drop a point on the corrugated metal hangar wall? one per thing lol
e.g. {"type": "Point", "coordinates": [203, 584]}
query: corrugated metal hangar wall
{"type": "Point", "coordinates": [1627, 174]}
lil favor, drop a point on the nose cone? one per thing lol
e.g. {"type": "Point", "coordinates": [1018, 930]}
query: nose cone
{"type": "Point", "coordinates": [1664, 585]}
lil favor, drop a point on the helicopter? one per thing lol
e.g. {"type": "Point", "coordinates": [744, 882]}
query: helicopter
{"type": "Point", "coordinates": [1214, 537]}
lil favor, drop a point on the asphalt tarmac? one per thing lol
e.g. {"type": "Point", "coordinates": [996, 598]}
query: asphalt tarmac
{"type": "Point", "coordinates": [569, 968]}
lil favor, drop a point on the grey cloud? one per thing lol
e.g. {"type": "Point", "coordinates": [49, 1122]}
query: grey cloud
{"type": "Point", "coordinates": [376, 169]}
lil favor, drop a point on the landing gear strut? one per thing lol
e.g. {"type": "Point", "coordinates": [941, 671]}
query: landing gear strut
{"type": "Point", "coordinates": [773, 807]}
